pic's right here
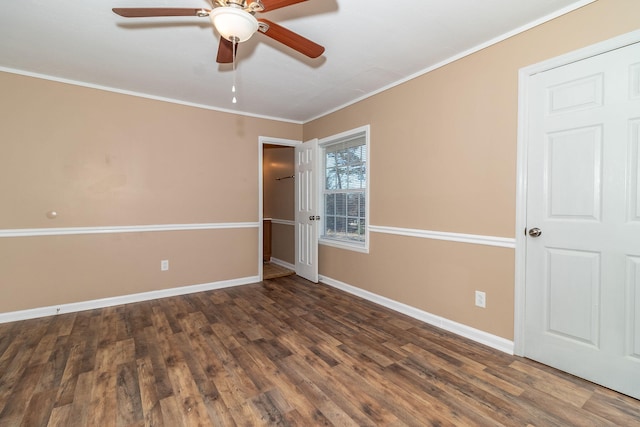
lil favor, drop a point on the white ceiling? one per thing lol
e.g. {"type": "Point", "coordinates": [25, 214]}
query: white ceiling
{"type": "Point", "coordinates": [370, 45]}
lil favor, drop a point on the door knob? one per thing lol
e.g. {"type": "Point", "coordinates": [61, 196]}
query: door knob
{"type": "Point", "coordinates": [311, 218]}
{"type": "Point", "coordinates": [535, 232]}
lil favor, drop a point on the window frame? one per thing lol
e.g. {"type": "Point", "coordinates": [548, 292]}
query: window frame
{"type": "Point", "coordinates": [323, 144]}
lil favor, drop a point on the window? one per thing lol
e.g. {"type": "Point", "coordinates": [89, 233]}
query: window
{"type": "Point", "coordinates": [345, 191]}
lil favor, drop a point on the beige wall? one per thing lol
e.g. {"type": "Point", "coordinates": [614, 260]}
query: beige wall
{"type": "Point", "coordinates": [283, 242]}
{"type": "Point", "coordinates": [278, 195]}
{"type": "Point", "coordinates": [443, 158]}
{"type": "Point", "coordinates": [105, 159]}
{"type": "Point", "coordinates": [278, 199]}
{"type": "Point", "coordinates": [55, 270]}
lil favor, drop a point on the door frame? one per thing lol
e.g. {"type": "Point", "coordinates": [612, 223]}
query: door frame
{"type": "Point", "coordinates": [524, 76]}
{"type": "Point", "coordinates": [262, 140]}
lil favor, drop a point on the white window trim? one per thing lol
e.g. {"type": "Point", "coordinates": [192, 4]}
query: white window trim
{"type": "Point", "coordinates": [322, 143]}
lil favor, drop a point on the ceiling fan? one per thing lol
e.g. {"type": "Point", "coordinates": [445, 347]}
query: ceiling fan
{"type": "Point", "coordinates": [235, 21]}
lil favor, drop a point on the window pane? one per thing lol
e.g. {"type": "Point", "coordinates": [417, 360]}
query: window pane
{"type": "Point", "coordinates": [349, 178]}
{"type": "Point", "coordinates": [353, 205]}
{"type": "Point", "coordinates": [341, 204]}
{"type": "Point", "coordinates": [329, 204]}
{"type": "Point", "coordinates": [354, 154]}
{"type": "Point", "coordinates": [330, 160]}
{"type": "Point", "coordinates": [349, 155]}
{"type": "Point", "coordinates": [342, 157]}
{"type": "Point", "coordinates": [357, 177]}
{"type": "Point", "coordinates": [341, 225]}
{"type": "Point", "coordinates": [363, 213]}
{"type": "Point", "coordinates": [353, 227]}
{"type": "Point", "coordinates": [341, 179]}
{"type": "Point", "coordinates": [331, 179]}
{"type": "Point", "coordinates": [363, 176]}
{"type": "Point", "coordinates": [329, 225]}
{"type": "Point", "coordinates": [361, 229]}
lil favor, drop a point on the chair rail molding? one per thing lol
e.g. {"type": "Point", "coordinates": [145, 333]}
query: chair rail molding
{"type": "Point", "coordinates": [61, 231]}
{"type": "Point", "coordinates": [504, 242]}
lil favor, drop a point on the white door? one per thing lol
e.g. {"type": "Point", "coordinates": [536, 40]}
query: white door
{"type": "Point", "coordinates": [583, 271]}
{"type": "Point", "coordinates": [306, 246]}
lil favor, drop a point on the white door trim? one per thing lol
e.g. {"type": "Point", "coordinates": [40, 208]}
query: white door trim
{"type": "Point", "coordinates": [524, 76]}
{"type": "Point", "coordinates": [262, 140]}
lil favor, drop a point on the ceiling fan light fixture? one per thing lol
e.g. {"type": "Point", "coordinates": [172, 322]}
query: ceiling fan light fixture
{"type": "Point", "coordinates": [234, 24]}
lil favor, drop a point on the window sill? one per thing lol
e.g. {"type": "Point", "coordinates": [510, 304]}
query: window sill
{"type": "Point", "coordinates": [344, 245]}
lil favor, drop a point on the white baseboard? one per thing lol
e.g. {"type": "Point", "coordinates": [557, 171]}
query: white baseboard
{"type": "Point", "coordinates": [124, 299]}
{"type": "Point", "coordinates": [284, 264]}
{"type": "Point", "coordinates": [448, 325]}
{"type": "Point", "coordinates": [476, 335]}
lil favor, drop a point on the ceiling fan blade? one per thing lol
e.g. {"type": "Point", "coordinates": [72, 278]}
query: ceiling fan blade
{"type": "Point", "coordinates": [147, 12]}
{"type": "Point", "coordinates": [225, 51]}
{"type": "Point", "coordinates": [270, 5]}
{"type": "Point", "coordinates": [293, 40]}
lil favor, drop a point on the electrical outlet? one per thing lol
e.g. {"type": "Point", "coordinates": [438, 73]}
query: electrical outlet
{"type": "Point", "coordinates": [164, 265]}
{"type": "Point", "coordinates": [481, 299]}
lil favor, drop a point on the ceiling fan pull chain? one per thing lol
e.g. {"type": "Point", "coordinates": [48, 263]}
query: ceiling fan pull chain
{"type": "Point", "coordinates": [233, 86]}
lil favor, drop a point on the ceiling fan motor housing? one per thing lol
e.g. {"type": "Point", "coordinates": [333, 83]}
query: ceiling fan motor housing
{"type": "Point", "coordinates": [233, 23]}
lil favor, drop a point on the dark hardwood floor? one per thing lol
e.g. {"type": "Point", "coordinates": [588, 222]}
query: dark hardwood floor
{"type": "Point", "coordinates": [280, 352]}
{"type": "Point", "coordinates": [271, 270]}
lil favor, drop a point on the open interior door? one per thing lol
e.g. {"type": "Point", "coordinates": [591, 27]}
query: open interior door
{"type": "Point", "coordinates": [307, 214]}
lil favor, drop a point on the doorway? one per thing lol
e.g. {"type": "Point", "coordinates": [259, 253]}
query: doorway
{"type": "Point", "coordinates": [578, 235]}
{"type": "Point", "coordinates": [276, 207]}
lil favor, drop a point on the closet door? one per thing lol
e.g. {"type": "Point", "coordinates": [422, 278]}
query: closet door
{"type": "Point", "coordinates": [583, 220]}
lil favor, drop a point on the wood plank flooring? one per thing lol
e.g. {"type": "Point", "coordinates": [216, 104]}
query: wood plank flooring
{"type": "Point", "coordinates": [271, 270]}
{"type": "Point", "coordinates": [281, 352]}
